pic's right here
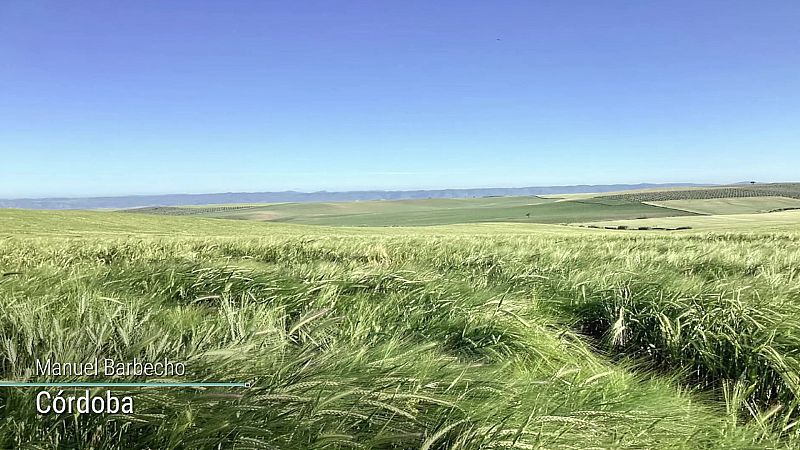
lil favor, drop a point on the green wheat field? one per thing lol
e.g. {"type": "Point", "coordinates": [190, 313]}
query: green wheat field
{"type": "Point", "coordinates": [495, 323]}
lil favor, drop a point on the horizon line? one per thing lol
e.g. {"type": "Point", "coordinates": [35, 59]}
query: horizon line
{"type": "Point", "coordinates": [421, 189]}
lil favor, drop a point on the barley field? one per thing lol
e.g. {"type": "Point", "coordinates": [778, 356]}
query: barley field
{"type": "Point", "coordinates": [478, 336]}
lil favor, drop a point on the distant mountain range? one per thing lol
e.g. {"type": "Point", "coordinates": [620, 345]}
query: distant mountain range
{"type": "Point", "coordinates": [136, 201]}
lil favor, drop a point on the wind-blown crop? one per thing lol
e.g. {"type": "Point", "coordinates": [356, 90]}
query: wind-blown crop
{"type": "Point", "coordinates": [573, 339]}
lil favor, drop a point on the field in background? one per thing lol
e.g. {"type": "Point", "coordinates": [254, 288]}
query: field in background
{"type": "Point", "coordinates": [427, 212]}
{"type": "Point", "coordinates": [566, 209]}
{"type": "Point", "coordinates": [776, 221]}
{"type": "Point", "coordinates": [738, 205]}
{"type": "Point", "coordinates": [790, 190]}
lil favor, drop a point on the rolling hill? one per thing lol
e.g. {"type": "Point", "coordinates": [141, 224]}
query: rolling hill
{"type": "Point", "coordinates": [429, 211]}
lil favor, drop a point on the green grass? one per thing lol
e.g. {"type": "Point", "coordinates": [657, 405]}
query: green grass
{"type": "Point", "coordinates": [451, 337]}
{"type": "Point", "coordinates": [430, 212]}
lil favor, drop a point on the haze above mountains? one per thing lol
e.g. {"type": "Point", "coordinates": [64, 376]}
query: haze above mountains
{"type": "Point", "coordinates": [136, 201]}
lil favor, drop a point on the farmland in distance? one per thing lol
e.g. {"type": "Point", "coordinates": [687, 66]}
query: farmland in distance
{"type": "Point", "coordinates": [579, 208]}
{"type": "Point", "coordinates": [429, 212]}
{"type": "Point", "coordinates": [500, 333]}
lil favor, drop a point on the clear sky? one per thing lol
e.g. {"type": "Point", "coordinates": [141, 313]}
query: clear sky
{"type": "Point", "coordinates": [140, 97]}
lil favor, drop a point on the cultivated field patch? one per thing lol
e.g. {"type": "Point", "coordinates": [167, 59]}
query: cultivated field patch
{"type": "Point", "coordinates": [789, 190]}
{"type": "Point", "coordinates": [738, 205]}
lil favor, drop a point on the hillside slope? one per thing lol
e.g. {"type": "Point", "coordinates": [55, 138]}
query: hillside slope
{"type": "Point", "coordinates": [430, 212]}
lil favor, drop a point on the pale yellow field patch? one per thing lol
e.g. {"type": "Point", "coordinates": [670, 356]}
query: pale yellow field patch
{"type": "Point", "coordinates": [776, 221]}
{"type": "Point", "coordinates": [739, 205]}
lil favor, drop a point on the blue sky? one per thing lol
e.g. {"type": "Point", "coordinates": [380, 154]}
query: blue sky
{"type": "Point", "coordinates": [114, 98]}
